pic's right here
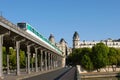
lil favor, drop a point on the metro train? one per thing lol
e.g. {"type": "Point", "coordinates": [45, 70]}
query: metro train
{"type": "Point", "coordinates": [29, 29]}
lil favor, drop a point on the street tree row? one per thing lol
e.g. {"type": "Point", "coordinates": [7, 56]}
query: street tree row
{"type": "Point", "coordinates": [99, 56]}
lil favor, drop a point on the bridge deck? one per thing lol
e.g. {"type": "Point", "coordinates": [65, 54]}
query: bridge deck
{"type": "Point", "coordinates": [44, 75]}
{"type": "Point", "coordinates": [54, 75]}
{"type": "Point", "coordinates": [61, 74]}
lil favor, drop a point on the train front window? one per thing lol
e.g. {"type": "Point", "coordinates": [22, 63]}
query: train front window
{"type": "Point", "coordinates": [22, 25]}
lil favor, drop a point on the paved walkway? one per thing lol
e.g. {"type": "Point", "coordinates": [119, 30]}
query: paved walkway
{"type": "Point", "coordinates": [69, 75]}
{"type": "Point", "coordinates": [50, 75]}
{"type": "Point", "coordinates": [12, 76]}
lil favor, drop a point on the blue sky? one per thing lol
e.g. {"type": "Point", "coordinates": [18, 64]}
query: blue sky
{"type": "Point", "coordinates": [92, 19]}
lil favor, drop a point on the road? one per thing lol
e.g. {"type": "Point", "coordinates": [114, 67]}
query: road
{"type": "Point", "coordinates": [61, 74]}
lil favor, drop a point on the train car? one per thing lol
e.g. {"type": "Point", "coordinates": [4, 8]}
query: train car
{"type": "Point", "coordinates": [29, 29]}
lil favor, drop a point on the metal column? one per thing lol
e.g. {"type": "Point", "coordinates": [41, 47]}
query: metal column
{"type": "Point", "coordinates": [7, 50]}
{"type": "Point", "coordinates": [41, 60]}
{"type": "Point", "coordinates": [17, 56]}
{"type": "Point", "coordinates": [28, 59]}
{"type": "Point", "coordinates": [1, 63]}
{"type": "Point", "coordinates": [36, 60]}
{"type": "Point", "coordinates": [46, 61]}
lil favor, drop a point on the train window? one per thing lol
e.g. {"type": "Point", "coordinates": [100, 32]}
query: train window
{"type": "Point", "coordinates": [32, 30]}
{"type": "Point", "coordinates": [22, 25]}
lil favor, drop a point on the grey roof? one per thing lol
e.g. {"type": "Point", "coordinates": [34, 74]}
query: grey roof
{"type": "Point", "coordinates": [51, 36]}
{"type": "Point", "coordinates": [62, 40]}
{"type": "Point", "coordinates": [76, 35]}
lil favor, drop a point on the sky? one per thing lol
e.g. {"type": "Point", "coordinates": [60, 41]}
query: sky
{"type": "Point", "coordinates": [92, 19]}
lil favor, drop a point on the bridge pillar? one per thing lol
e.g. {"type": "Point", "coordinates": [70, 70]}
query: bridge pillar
{"type": "Point", "coordinates": [32, 64]}
{"type": "Point", "coordinates": [1, 63]}
{"type": "Point", "coordinates": [7, 50]}
{"type": "Point", "coordinates": [54, 61]}
{"type": "Point", "coordinates": [41, 60]}
{"type": "Point", "coordinates": [49, 61]}
{"type": "Point", "coordinates": [28, 59]}
{"type": "Point", "coordinates": [36, 59]}
{"type": "Point", "coordinates": [45, 60]}
{"type": "Point", "coordinates": [17, 56]}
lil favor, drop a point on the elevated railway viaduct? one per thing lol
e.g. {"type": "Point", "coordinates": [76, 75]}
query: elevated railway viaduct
{"type": "Point", "coordinates": [13, 36]}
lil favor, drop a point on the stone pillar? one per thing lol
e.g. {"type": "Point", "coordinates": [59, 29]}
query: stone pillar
{"type": "Point", "coordinates": [1, 63]}
{"type": "Point", "coordinates": [51, 66]}
{"type": "Point", "coordinates": [53, 61]}
{"type": "Point", "coordinates": [45, 60]}
{"type": "Point", "coordinates": [32, 57]}
{"type": "Point", "coordinates": [28, 59]}
{"type": "Point", "coordinates": [41, 60]}
{"type": "Point", "coordinates": [7, 50]}
{"type": "Point", "coordinates": [17, 56]}
{"type": "Point", "coordinates": [26, 62]}
{"type": "Point", "coordinates": [36, 59]}
{"type": "Point", "coordinates": [56, 61]}
{"type": "Point", "coordinates": [49, 61]}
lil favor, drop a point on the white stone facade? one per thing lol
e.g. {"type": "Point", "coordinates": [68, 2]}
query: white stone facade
{"type": "Point", "coordinates": [81, 44]}
{"type": "Point", "coordinates": [63, 46]}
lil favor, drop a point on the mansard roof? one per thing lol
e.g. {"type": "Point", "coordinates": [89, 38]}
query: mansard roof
{"type": "Point", "coordinates": [51, 36]}
{"type": "Point", "coordinates": [76, 35]}
{"type": "Point", "coordinates": [62, 40]}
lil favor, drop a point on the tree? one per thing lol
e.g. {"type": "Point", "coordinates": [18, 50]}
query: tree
{"type": "Point", "coordinates": [22, 59]}
{"type": "Point", "coordinates": [12, 58]}
{"type": "Point", "coordinates": [4, 57]}
{"type": "Point", "coordinates": [118, 57]}
{"type": "Point", "coordinates": [112, 56]}
{"type": "Point", "coordinates": [86, 62]}
{"type": "Point", "coordinates": [75, 56]}
{"type": "Point", "coordinates": [100, 56]}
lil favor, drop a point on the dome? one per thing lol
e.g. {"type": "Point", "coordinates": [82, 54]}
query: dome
{"type": "Point", "coordinates": [51, 38]}
{"type": "Point", "coordinates": [62, 41]}
{"type": "Point", "coordinates": [75, 36]}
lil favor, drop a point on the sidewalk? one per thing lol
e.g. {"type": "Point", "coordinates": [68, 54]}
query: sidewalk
{"type": "Point", "coordinates": [12, 76]}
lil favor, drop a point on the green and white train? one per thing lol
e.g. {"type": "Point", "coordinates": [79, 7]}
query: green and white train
{"type": "Point", "coordinates": [29, 29]}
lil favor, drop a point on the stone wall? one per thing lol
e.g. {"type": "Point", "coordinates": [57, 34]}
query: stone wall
{"type": "Point", "coordinates": [106, 69]}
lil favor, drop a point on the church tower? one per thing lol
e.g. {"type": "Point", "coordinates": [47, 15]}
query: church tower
{"type": "Point", "coordinates": [52, 39]}
{"type": "Point", "coordinates": [76, 40]}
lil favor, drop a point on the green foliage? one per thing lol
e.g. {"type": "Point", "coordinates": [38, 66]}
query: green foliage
{"type": "Point", "coordinates": [22, 58]}
{"type": "Point", "coordinates": [86, 62]}
{"type": "Point", "coordinates": [118, 57]}
{"type": "Point", "coordinates": [100, 55]}
{"type": "Point", "coordinates": [74, 57]}
{"type": "Point", "coordinates": [12, 58]}
{"type": "Point", "coordinates": [112, 56]}
{"type": "Point", "coordinates": [4, 56]}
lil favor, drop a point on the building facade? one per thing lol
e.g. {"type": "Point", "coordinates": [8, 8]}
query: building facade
{"type": "Point", "coordinates": [81, 44]}
{"type": "Point", "coordinates": [63, 46]}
